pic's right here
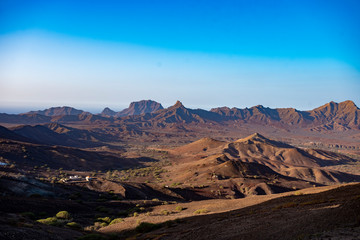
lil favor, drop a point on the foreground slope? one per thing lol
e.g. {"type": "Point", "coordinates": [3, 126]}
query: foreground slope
{"type": "Point", "coordinates": [291, 217]}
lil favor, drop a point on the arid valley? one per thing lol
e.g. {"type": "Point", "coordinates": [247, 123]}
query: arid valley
{"type": "Point", "coordinates": [179, 120]}
{"type": "Point", "coordinates": [150, 172]}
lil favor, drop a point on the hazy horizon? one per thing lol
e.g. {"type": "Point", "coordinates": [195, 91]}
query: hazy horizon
{"type": "Point", "coordinates": [24, 109]}
{"type": "Point", "coordinates": [299, 54]}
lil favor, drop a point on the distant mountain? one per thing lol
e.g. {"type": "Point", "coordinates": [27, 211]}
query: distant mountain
{"type": "Point", "coordinates": [84, 117]}
{"type": "Point", "coordinates": [107, 112]}
{"type": "Point", "coordinates": [260, 114]}
{"type": "Point", "coordinates": [146, 113]}
{"type": "Point", "coordinates": [141, 107]}
{"type": "Point", "coordinates": [57, 111]}
{"type": "Point", "coordinates": [345, 114]}
{"type": "Point", "coordinates": [337, 115]}
{"type": "Point", "coordinates": [176, 113]}
{"type": "Point", "coordinates": [23, 118]}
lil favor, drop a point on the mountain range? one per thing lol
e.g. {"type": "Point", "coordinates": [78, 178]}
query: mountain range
{"type": "Point", "coordinates": [331, 116]}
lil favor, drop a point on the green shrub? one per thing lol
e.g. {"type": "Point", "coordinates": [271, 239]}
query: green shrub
{"type": "Point", "coordinates": [63, 215]}
{"type": "Point", "coordinates": [116, 220]}
{"type": "Point", "coordinates": [104, 219]}
{"type": "Point", "coordinates": [199, 211]}
{"type": "Point", "coordinates": [74, 225]}
{"type": "Point", "coordinates": [179, 208]}
{"type": "Point", "coordinates": [53, 221]}
{"type": "Point", "coordinates": [100, 224]}
{"type": "Point", "coordinates": [165, 212]}
{"type": "Point", "coordinates": [145, 227]}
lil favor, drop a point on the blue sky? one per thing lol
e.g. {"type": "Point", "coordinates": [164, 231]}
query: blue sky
{"type": "Point", "coordinates": [93, 54]}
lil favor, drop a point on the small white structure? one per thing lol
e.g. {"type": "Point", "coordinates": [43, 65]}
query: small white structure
{"type": "Point", "coordinates": [88, 178]}
{"type": "Point", "coordinates": [75, 177]}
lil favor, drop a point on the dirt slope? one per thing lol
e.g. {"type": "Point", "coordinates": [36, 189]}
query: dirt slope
{"type": "Point", "coordinates": [291, 217]}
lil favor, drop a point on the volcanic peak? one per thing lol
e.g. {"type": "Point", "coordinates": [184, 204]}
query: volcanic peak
{"type": "Point", "coordinates": [178, 104]}
{"type": "Point", "coordinates": [108, 112]}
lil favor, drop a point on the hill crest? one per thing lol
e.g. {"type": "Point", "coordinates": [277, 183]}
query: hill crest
{"type": "Point", "coordinates": [57, 111]}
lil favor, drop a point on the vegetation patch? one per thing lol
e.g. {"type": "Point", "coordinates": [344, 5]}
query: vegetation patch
{"type": "Point", "coordinates": [200, 211]}
{"type": "Point", "coordinates": [116, 220]}
{"type": "Point", "coordinates": [165, 212]}
{"type": "Point", "coordinates": [73, 225]}
{"type": "Point", "coordinates": [179, 208]}
{"type": "Point", "coordinates": [61, 218]}
{"type": "Point", "coordinates": [104, 219]}
{"type": "Point", "coordinates": [52, 221]}
{"type": "Point", "coordinates": [63, 215]}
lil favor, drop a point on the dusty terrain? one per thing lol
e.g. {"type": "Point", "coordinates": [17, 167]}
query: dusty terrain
{"type": "Point", "coordinates": [154, 173]}
{"type": "Point", "coordinates": [331, 214]}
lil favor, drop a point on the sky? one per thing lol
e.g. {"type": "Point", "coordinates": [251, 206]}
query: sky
{"type": "Point", "coordinates": [96, 54]}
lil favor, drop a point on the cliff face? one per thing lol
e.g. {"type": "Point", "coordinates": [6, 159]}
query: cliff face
{"type": "Point", "coordinates": [141, 107]}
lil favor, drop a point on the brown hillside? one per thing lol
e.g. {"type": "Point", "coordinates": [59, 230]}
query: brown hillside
{"type": "Point", "coordinates": [202, 159]}
{"type": "Point", "coordinates": [257, 148]}
{"type": "Point", "coordinates": [200, 146]}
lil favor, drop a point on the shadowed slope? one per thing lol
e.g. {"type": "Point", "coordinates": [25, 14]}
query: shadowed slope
{"type": "Point", "coordinates": [8, 134]}
{"type": "Point", "coordinates": [56, 134]}
{"type": "Point", "coordinates": [291, 217]}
